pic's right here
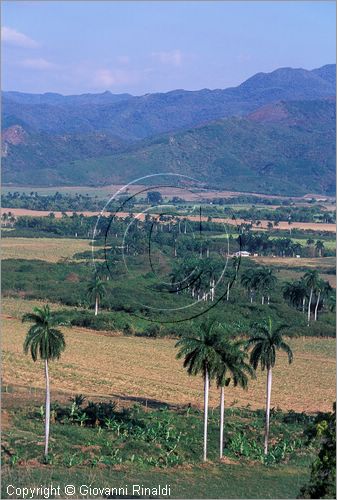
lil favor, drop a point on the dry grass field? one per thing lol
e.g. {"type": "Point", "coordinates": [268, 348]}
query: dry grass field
{"type": "Point", "coordinates": [101, 365]}
{"type": "Point", "coordinates": [289, 262]}
{"type": "Point", "coordinates": [49, 249]}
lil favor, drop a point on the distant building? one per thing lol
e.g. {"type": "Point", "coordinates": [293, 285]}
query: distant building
{"type": "Point", "coordinates": [242, 253]}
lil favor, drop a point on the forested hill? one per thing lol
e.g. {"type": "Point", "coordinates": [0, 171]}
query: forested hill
{"type": "Point", "coordinates": [254, 136]}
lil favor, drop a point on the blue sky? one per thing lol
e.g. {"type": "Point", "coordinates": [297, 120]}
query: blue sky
{"type": "Point", "coordinates": [138, 47]}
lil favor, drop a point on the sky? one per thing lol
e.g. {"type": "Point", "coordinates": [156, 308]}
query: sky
{"type": "Point", "coordinates": [74, 47]}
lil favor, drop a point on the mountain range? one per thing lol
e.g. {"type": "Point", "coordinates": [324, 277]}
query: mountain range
{"type": "Point", "coordinates": [258, 136]}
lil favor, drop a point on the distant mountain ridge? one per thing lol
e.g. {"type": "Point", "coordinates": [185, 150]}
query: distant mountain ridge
{"type": "Point", "coordinates": [51, 139]}
{"type": "Point", "coordinates": [135, 118]}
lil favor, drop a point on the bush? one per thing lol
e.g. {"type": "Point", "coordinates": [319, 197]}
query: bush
{"type": "Point", "coordinates": [322, 482]}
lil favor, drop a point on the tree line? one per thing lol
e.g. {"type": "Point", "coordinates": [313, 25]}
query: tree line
{"type": "Point", "coordinates": [207, 351]}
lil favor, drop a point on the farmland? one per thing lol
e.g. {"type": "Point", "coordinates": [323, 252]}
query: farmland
{"type": "Point", "coordinates": [147, 370]}
{"type": "Point", "coordinates": [42, 248]}
{"type": "Point", "coordinates": [283, 225]}
{"type": "Point", "coordinates": [120, 358]}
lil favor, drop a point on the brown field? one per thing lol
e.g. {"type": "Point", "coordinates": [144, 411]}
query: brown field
{"type": "Point", "coordinates": [283, 225]}
{"type": "Point", "coordinates": [115, 366]}
{"type": "Point", "coordinates": [49, 249]}
{"type": "Point", "coordinates": [287, 266]}
{"type": "Point", "coordinates": [292, 275]}
{"type": "Point", "coordinates": [321, 262]}
{"type": "Point", "coordinates": [20, 212]}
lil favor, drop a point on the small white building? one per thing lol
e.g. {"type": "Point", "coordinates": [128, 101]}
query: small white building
{"type": "Point", "coordinates": [242, 253]}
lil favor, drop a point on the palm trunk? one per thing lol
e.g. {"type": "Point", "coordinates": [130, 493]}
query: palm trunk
{"type": "Point", "coordinates": [309, 305]}
{"type": "Point", "coordinates": [206, 388]}
{"type": "Point", "coordinates": [227, 292]}
{"type": "Point", "coordinates": [262, 300]}
{"type": "Point", "coordinates": [96, 306]}
{"type": "Point", "coordinates": [222, 415]}
{"type": "Point", "coordinates": [303, 305]}
{"type": "Point", "coordinates": [266, 435]}
{"type": "Point", "coordinates": [317, 303]}
{"type": "Point", "coordinates": [47, 419]}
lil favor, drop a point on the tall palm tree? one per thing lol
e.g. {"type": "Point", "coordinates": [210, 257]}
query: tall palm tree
{"type": "Point", "coordinates": [44, 340]}
{"type": "Point", "coordinates": [232, 274]}
{"type": "Point", "coordinates": [319, 247]}
{"type": "Point", "coordinates": [233, 367]}
{"type": "Point", "coordinates": [332, 301]}
{"type": "Point", "coordinates": [248, 280]}
{"type": "Point", "coordinates": [311, 280]}
{"type": "Point", "coordinates": [323, 290]}
{"type": "Point", "coordinates": [200, 356]}
{"type": "Point", "coordinates": [265, 341]}
{"type": "Point", "coordinates": [295, 293]}
{"type": "Point", "coordinates": [96, 290]}
{"type": "Point", "coordinates": [266, 282]}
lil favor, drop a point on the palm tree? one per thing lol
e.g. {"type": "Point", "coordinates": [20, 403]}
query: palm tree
{"type": "Point", "coordinates": [295, 293]}
{"type": "Point", "coordinates": [319, 247]}
{"type": "Point", "coordinates": [232, 274]}
{"type": "Point", "coordinates": [233, 367]}
{"type": "Point", "coordinates": [248, 280]}
{"type": "Point", "coordinates": [311, 279]}
{"type": "Point", "coordinates": [266, 281]}
{"type": "Point", "coordinates": [332, 301]}
{"type": "Point", "coordinates": [96, 291]}
{"type": "Point", "coordinates": [44, 340]}
{"type": "Point", "coordinates": [323, 290]}
{"type": "Point", "coordinates": [266, 341]}
{"type": "Point", "coordinates": [200, 356]}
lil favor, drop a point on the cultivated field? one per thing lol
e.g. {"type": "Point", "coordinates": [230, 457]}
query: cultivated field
{"type": "Point", "coordinates": [119, 367]}
{"type": "Point", "coordinates": [283, 225]}
{"type": "Point", "coordinates": [290, 262]}
{"type": "Point", "coordinates": [49, 249]}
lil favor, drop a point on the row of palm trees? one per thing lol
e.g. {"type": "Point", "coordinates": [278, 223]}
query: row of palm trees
{"type": "Point", "coordinates": [261, 280]}
{"type": "Point", "coordinates": [310, 287]}
{"type": "Point", "coordinates": [208, 351]}
{"type": "Point", "coordinates": [216, 357]}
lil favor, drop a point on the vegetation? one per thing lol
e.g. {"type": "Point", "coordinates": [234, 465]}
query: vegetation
{"type": "Point", "coordinates": [96, 291]}
{"type": "Point", "coordinates": [160, 434]}
{"type": "Point", "coordinates": [47, 342]}
{"type": "Point", "coordinates": [322, 482]}
{"type": "Point", "coordinates": [265, 341]}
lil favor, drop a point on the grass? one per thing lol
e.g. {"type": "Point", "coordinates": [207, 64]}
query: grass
{"type": "Point", "coordinates": [211, 481]}
{"type": "Point", "coordinates": [48, 249]}
{"type": "Point", "coordinates": [146, 369]}
{"type": "Point", "coordinates": [154, 447]}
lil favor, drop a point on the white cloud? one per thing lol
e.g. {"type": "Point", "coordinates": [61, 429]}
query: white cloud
{"type": "Point", "coordinates": [173, 57]}
{"type": "Point", "coordinates": [108, 78]}
{"type": "Point", "coordinates": [38, 63]}
{"type": "Point", "coordinates": [12, 37]}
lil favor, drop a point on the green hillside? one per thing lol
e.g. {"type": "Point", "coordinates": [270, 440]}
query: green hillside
{"type": "Point", "coordinates": [233, 154]}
